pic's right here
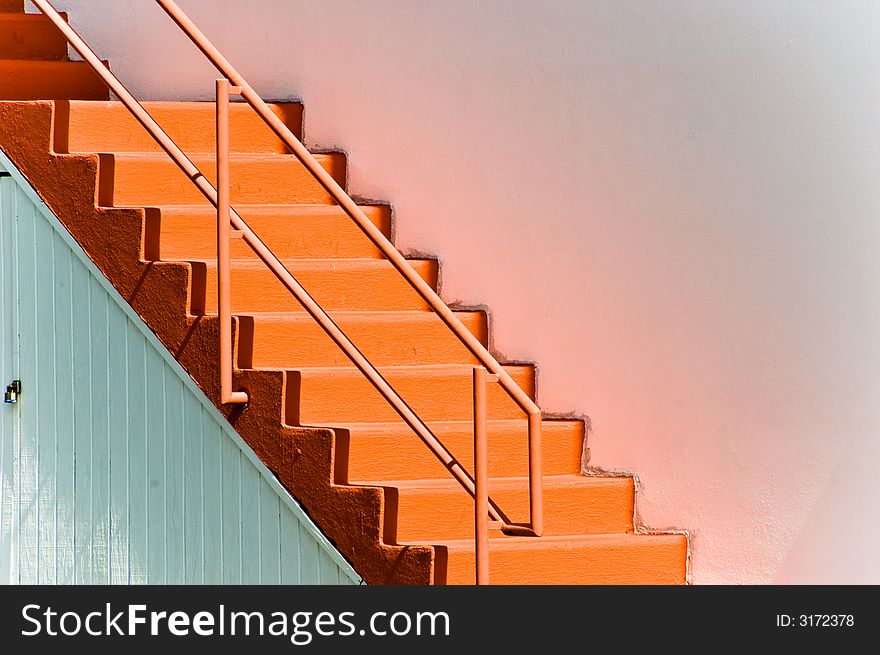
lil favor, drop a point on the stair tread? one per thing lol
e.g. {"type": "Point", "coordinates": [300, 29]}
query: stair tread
{"type": "Point", "coordinates": [298, 208]}
{"type": "Point", "coordinates": [16, 17]}
{"type": "Point", "coordinates": [447, 424]}
{"type": "Point", "coordinates": [558, 541]}
{"type": "Point", "coordinates": [325, 264]}
{"type": "Point", "coordinates": [451, 369]}
{"type": "Point", "coordinates": [322, 264]}
{"type": "Point", "coordinates": [173, 104]}
{"type": "Point", "coordinates": [367, 315]}
{"type": "Point", "coordinates": [233, 156]}
{"type": "Point", "coordinates": [550, 481]}
{"type": "Point", "coordinates": [319, 262]}
{"type": "Point", "coordinates": [44, 63]}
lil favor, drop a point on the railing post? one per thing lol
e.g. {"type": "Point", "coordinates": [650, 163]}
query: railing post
{"type": "Point", "coordinates": [481, 475]}
{"type": "Point", "coordinates": [224, 309]}
{"type": "Point", "coordinates": [536, 473]}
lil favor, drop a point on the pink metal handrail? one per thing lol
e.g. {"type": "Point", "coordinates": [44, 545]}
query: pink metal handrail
{"type": "Point", "coordinates": [226, 215]}
{"type": "Point", "coordinates": [387, 248]}
{"type": "Point", "coordinates": [266, 255]}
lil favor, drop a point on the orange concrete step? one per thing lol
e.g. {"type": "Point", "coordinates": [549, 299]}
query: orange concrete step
{"type": "Point", "coordinates": [428, 510]}
{"type": "Point", "coordinates": [392, 451]}
{"type": "Point", "coordinates": [291, 231]}
{"type": "Point", "coordinates": [30, 36]}
{"type": "Point", "coordinates": [338, 284]}
{"type": "Point", "coordinates": [630, 559]}
{"type": "Point", "coordinates": [386, 338]}
{"type": "Point", "coordinates": [150, 180]}
{"type": "Point", "coordinates": [437, 393]}
{"type": "Point", "coordinates": [11, 6]}
{"type": "Point", "coordinates": [49, 80]}
{"type": "Point", "coordinates": [109, 127]}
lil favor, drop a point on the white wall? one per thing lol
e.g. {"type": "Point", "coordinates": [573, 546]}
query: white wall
{"type": "Point", "coordinates": [672, 206]}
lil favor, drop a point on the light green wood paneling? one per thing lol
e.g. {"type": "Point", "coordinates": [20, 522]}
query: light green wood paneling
{"type": "Point", "coordinates": [114, 468]}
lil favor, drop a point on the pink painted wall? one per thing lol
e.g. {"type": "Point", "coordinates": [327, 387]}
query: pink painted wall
{"type": "Point", "coordinates": [672, 206]}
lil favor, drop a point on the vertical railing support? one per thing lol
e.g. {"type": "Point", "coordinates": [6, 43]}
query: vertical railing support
{"type": "Point", "coordinates": [481, 474]}
{"type": "Point", "coordinates": [536, 474]}
{"type": "Point", "coordinates": [224, 308]}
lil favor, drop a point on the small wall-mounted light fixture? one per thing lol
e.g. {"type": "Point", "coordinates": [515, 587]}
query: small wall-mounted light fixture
{"type": "Point", "coordinates": [13, 391]}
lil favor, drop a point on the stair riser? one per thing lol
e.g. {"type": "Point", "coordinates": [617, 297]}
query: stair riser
{"type": "Point", "coordinates": [348, 398]}
{"type": "Point", "coordinates": [403, 456]}
{"type": "Point", "coordinates": [371, 289]}
{"type": "Point", "coordinates": [109, 127]}
{"type": "Point", "coordinates": [30, 37]}
{"type": "Point", "coordinates": [591, 507]}
{"type": "Point", "coordinates": [320, 235]}
{"type": "Point", "coordinates": [156, 181]}
{"type": "Point", "coordinates": [49, 80]}
{"type": "Point", "coordinates": [646, 559]}
{"type": "Point", "coordinates": [405, 342]}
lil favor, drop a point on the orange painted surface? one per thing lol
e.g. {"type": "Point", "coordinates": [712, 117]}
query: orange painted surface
{"type": "Point", "coordinates": [437, 393]}
{"type": "Point", "coordinates": [30, 36]}
{"type": "Point", "coordinates": [147, 179]}
{"type": "Point", "coordinates": [291, 231]}
{"type": "Point", "coordinates": [109, 127]}
{"type": "Point", "coordinates": [49, 80]}
{"type": "Point", "coordinates": [341, 284]}
{"type": "Point", "coordinates": [575, 504]}
{"type": "Point", "coordinates": [582, 559]}
{"type": "Point", "coordinates": [409, 459]}
{"type": "Point", "coordinates": [11, 6]}
{"type": "Point", "coordinates": [368, 482]}
{"type": "Point", "coordinates": [387, 338]}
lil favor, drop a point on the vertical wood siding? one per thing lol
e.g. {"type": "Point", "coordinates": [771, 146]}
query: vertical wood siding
{"type": "Point", "coordinates": [115, 469]}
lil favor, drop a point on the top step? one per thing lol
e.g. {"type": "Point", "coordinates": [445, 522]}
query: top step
{"type": "Point", "coordinates": [83, 126]}
{"type": "Point", "coordinates": [11, 6]}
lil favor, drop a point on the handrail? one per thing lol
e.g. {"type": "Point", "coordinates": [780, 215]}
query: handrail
{"type": "Point", "coordinates": [226, 216]}
{"type": "Point", "coordinates": [386, 247]}
{"type": "Point", "coordinates": [268, 257]}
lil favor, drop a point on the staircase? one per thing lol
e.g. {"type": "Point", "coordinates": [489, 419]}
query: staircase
{"type": "Point", "coordinates": [370, 484]}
